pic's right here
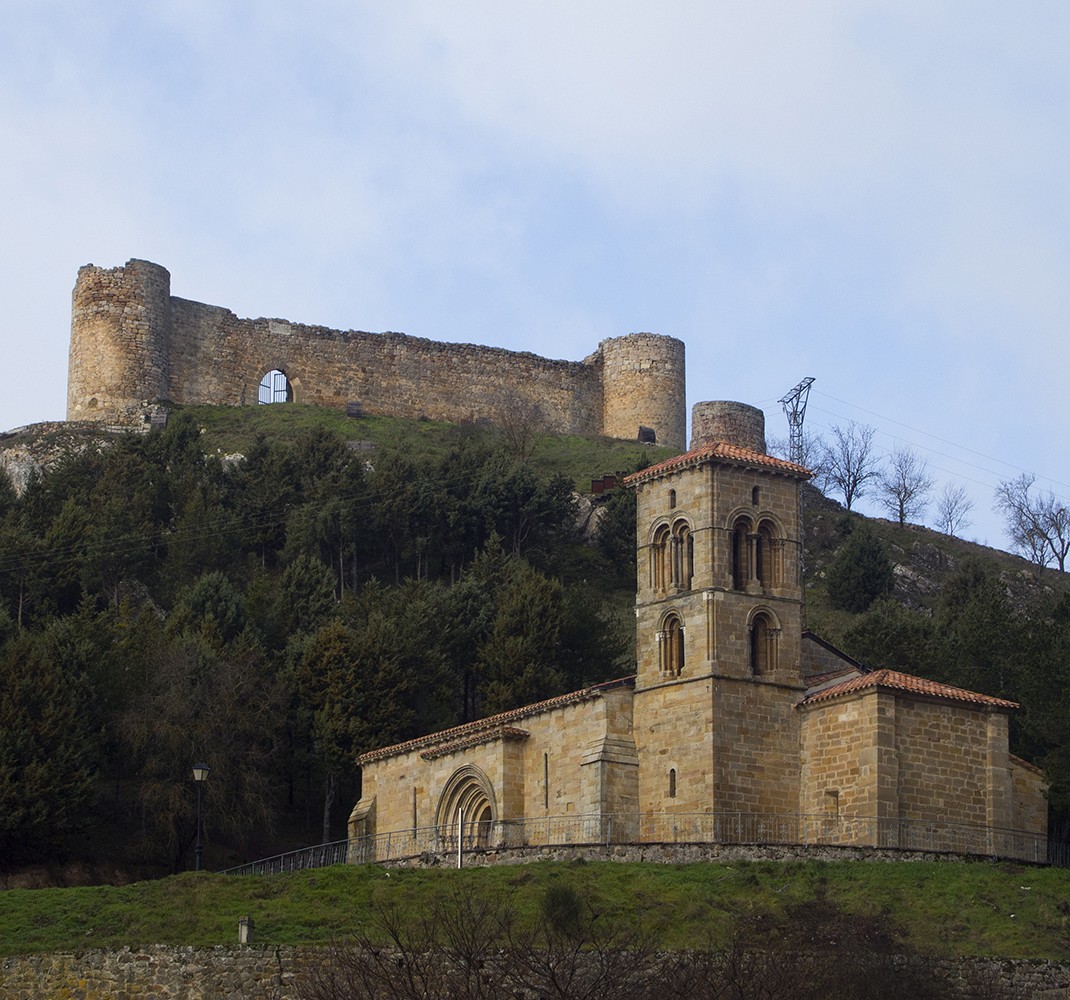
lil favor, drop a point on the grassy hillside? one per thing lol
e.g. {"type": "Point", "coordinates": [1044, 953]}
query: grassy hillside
{"type": "Point", "coordinates": [228, 429]}
{"type": "Point", "coordinates": [934, 908]}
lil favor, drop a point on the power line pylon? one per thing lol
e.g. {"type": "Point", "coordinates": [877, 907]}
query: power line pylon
{"type": "Point", "coordinates": [794, 404]}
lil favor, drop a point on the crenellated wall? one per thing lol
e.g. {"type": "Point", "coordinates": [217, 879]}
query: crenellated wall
{"type": "Point", "coordinates": [134, 345]}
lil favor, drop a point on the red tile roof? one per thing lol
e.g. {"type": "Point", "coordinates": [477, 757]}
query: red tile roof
{"type": "Point", "coordinates": [494, 725]}
{"type": "Point", "coordinates": [476, 739]}
{"type": "Point", "coordinates": [895, 681]}
{"type": "Point", "coordinates": [723, 452]}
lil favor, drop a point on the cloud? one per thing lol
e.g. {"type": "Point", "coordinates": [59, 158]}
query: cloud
{"type": "Point", "coordinates": [869, 192]}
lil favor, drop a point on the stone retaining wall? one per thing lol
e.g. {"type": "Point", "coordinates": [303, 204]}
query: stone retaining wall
{"type": "Point", "coordinates": [267, 973]}
{"type": "Point", "coordinates": [254, 973]}
{"type": "Point", "coordinates": [674, 854]}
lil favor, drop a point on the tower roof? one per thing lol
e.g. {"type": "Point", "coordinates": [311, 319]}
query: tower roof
{"type": "Point", "coordinates": [722, 453]}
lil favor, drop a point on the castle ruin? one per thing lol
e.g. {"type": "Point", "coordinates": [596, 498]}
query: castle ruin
{"type": "Point", "coordinates": [134, 345]}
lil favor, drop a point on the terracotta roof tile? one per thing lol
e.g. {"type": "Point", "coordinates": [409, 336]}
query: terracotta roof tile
{"type": "Point", "coordinates": [822, 680]}
{"type": "Point", "coordinates": [475, 740]}
{"type": "Point", "coordinates": [908, 683]}
{"type": "Point", "coordinates": [492, 722]}
{"type": "Point", "coordinates": [720, 451]}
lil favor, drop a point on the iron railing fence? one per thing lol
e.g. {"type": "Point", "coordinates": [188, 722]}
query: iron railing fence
{"type": "Point", "coordinates": [320, 856]}
{"type": "Point", "coordinates": [676, 828]}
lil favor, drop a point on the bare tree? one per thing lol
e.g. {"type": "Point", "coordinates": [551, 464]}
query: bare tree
{"type": "Point", "coordinates": [1038, 523]}
{"type": "Point", "coordinates": [812, 453]}
{"type": "Point", "coordinates": [521, 423]}
{"type": "Point", "coordinates": [849, 463]}
{"type": "Point", "coordinates": [952, 506]}
{"type": "Point", "coordinates": [904, 486]}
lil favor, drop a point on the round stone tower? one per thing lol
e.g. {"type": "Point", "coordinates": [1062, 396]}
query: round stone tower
{"type": "Point", "coordinates": [733, 423]}
{"type": "Point", "coordinates": [120, 330]}
{"type": "Point", "coordinates": [643, 387]}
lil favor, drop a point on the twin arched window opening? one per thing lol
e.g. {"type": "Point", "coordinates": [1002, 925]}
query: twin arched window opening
{"type": "Point", "coordinates": [757, 555]}
{"type": "Point", "coordinates": [673, 557]}
{"type": "Point", "coordinates": [671, 646]}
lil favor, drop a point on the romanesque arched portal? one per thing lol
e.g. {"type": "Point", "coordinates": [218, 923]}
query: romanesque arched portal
{"type": "Point", "coordinates": [467, 804]}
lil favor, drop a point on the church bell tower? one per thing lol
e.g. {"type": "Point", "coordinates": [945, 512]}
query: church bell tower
{"type": "Point", "coordinates": [718, 621]}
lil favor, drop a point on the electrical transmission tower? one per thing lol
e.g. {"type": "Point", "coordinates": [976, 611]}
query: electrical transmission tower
{"type": "Point", "coordinates": [794, 404]}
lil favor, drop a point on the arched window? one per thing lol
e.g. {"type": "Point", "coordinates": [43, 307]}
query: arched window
{"type": "Point", "coordinates": [672, 499]}
{"type": "Point", "coordinates": [740, 554]}
{"type": "Point", "coordinates": [769, 555]}
{"type": "Point", "coordinates": [755, 493]}
{"type": "Point", "coordinates": [672, 782]}
{"type": "Point", "coordinates": [661, 559]}
{"type": "Point", "coordinates": [764, 639]}
{"type": "Point", "coordinates": [764, 555]}
{"type": "Point", "coordinates": [275, 388]}
{"type": "Point", "coordinates": [671, 640]}
{"type": "Point", "coordinates": [683, 555]}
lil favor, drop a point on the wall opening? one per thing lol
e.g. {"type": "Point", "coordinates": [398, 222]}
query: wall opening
{"type": "Point", "coordinates": [275, 387]}
{"type": "Point", "coordinates": [763, 645]}
{"type": "Point", "coordinates": [671, 646]}
{"type": "Point", "coordinates": [466, 806]}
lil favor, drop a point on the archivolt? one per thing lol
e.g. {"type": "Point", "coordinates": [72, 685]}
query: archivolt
{"type": "Point", "coordinates": [470, 794]}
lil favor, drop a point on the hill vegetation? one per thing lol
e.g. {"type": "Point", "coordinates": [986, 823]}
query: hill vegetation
{"type": "Point", "coordinates": [271, 590]}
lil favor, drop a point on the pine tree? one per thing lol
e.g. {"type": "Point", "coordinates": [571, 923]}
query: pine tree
{"type": "Point", "coordinates": [861, 571]}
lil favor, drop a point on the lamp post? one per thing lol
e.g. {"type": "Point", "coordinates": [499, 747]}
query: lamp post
{"type": "Point", "coordinates": [200, 776]}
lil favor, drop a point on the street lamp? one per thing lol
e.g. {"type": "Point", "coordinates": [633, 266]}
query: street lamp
{"type": "Point", "coordinates": [200, 776]}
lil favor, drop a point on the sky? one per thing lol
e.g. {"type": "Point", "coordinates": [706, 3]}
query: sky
{"type": "Point", "coordinates": [873, 194]}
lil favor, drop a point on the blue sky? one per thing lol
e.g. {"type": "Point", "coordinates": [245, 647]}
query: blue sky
{"type": "Point", "coordinates": [875, 194]}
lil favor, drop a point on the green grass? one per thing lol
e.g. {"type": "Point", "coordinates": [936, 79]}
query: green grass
{"type": "Point", "coordinates": [230, 429]}
{"type": "Point", "coordinates": [939, 908]}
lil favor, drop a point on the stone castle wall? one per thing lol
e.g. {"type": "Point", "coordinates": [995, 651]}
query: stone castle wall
{"type": "Point", "coordinates": [133, 345]}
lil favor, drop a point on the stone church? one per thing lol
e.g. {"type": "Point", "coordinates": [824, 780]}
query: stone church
{"type": "Point", "coordinates": [739, 725]}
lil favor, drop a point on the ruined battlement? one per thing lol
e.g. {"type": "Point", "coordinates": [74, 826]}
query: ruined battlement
{"type": "Point", "coordinates": [134, 345]}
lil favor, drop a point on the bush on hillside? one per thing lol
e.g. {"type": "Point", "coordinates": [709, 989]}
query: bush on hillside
{"type": "Point", "coordinates": [860, 573]}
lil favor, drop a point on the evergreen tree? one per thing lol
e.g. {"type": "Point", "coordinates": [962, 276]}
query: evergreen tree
{"type": "Point", "coordinates": [890, 635]}
{"type": "Point", "coordinates": [48, 751]}
{"type": "Point", "coordinates": [861, 571]}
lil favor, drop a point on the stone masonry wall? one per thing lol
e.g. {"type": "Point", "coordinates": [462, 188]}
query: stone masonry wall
{"type": "Point", "coordinates": [942, 755]}
{"type": "Point", "coordinates": [120, 328]}
{"type": "Point", "coordinates": [838, 761]}
{"type": "Point", "coordinates": [156, 971]}
{"type": "Point", "coordinates": [133, 345]}
{"type": "Point", "coordinates": [581, 748]}
{"type": "Point", "coordinates": [268, 973]}
{"type": "Point", "coordinates": [1030, 804]}
{"type": "Point", "coordinates": [721, 420]}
